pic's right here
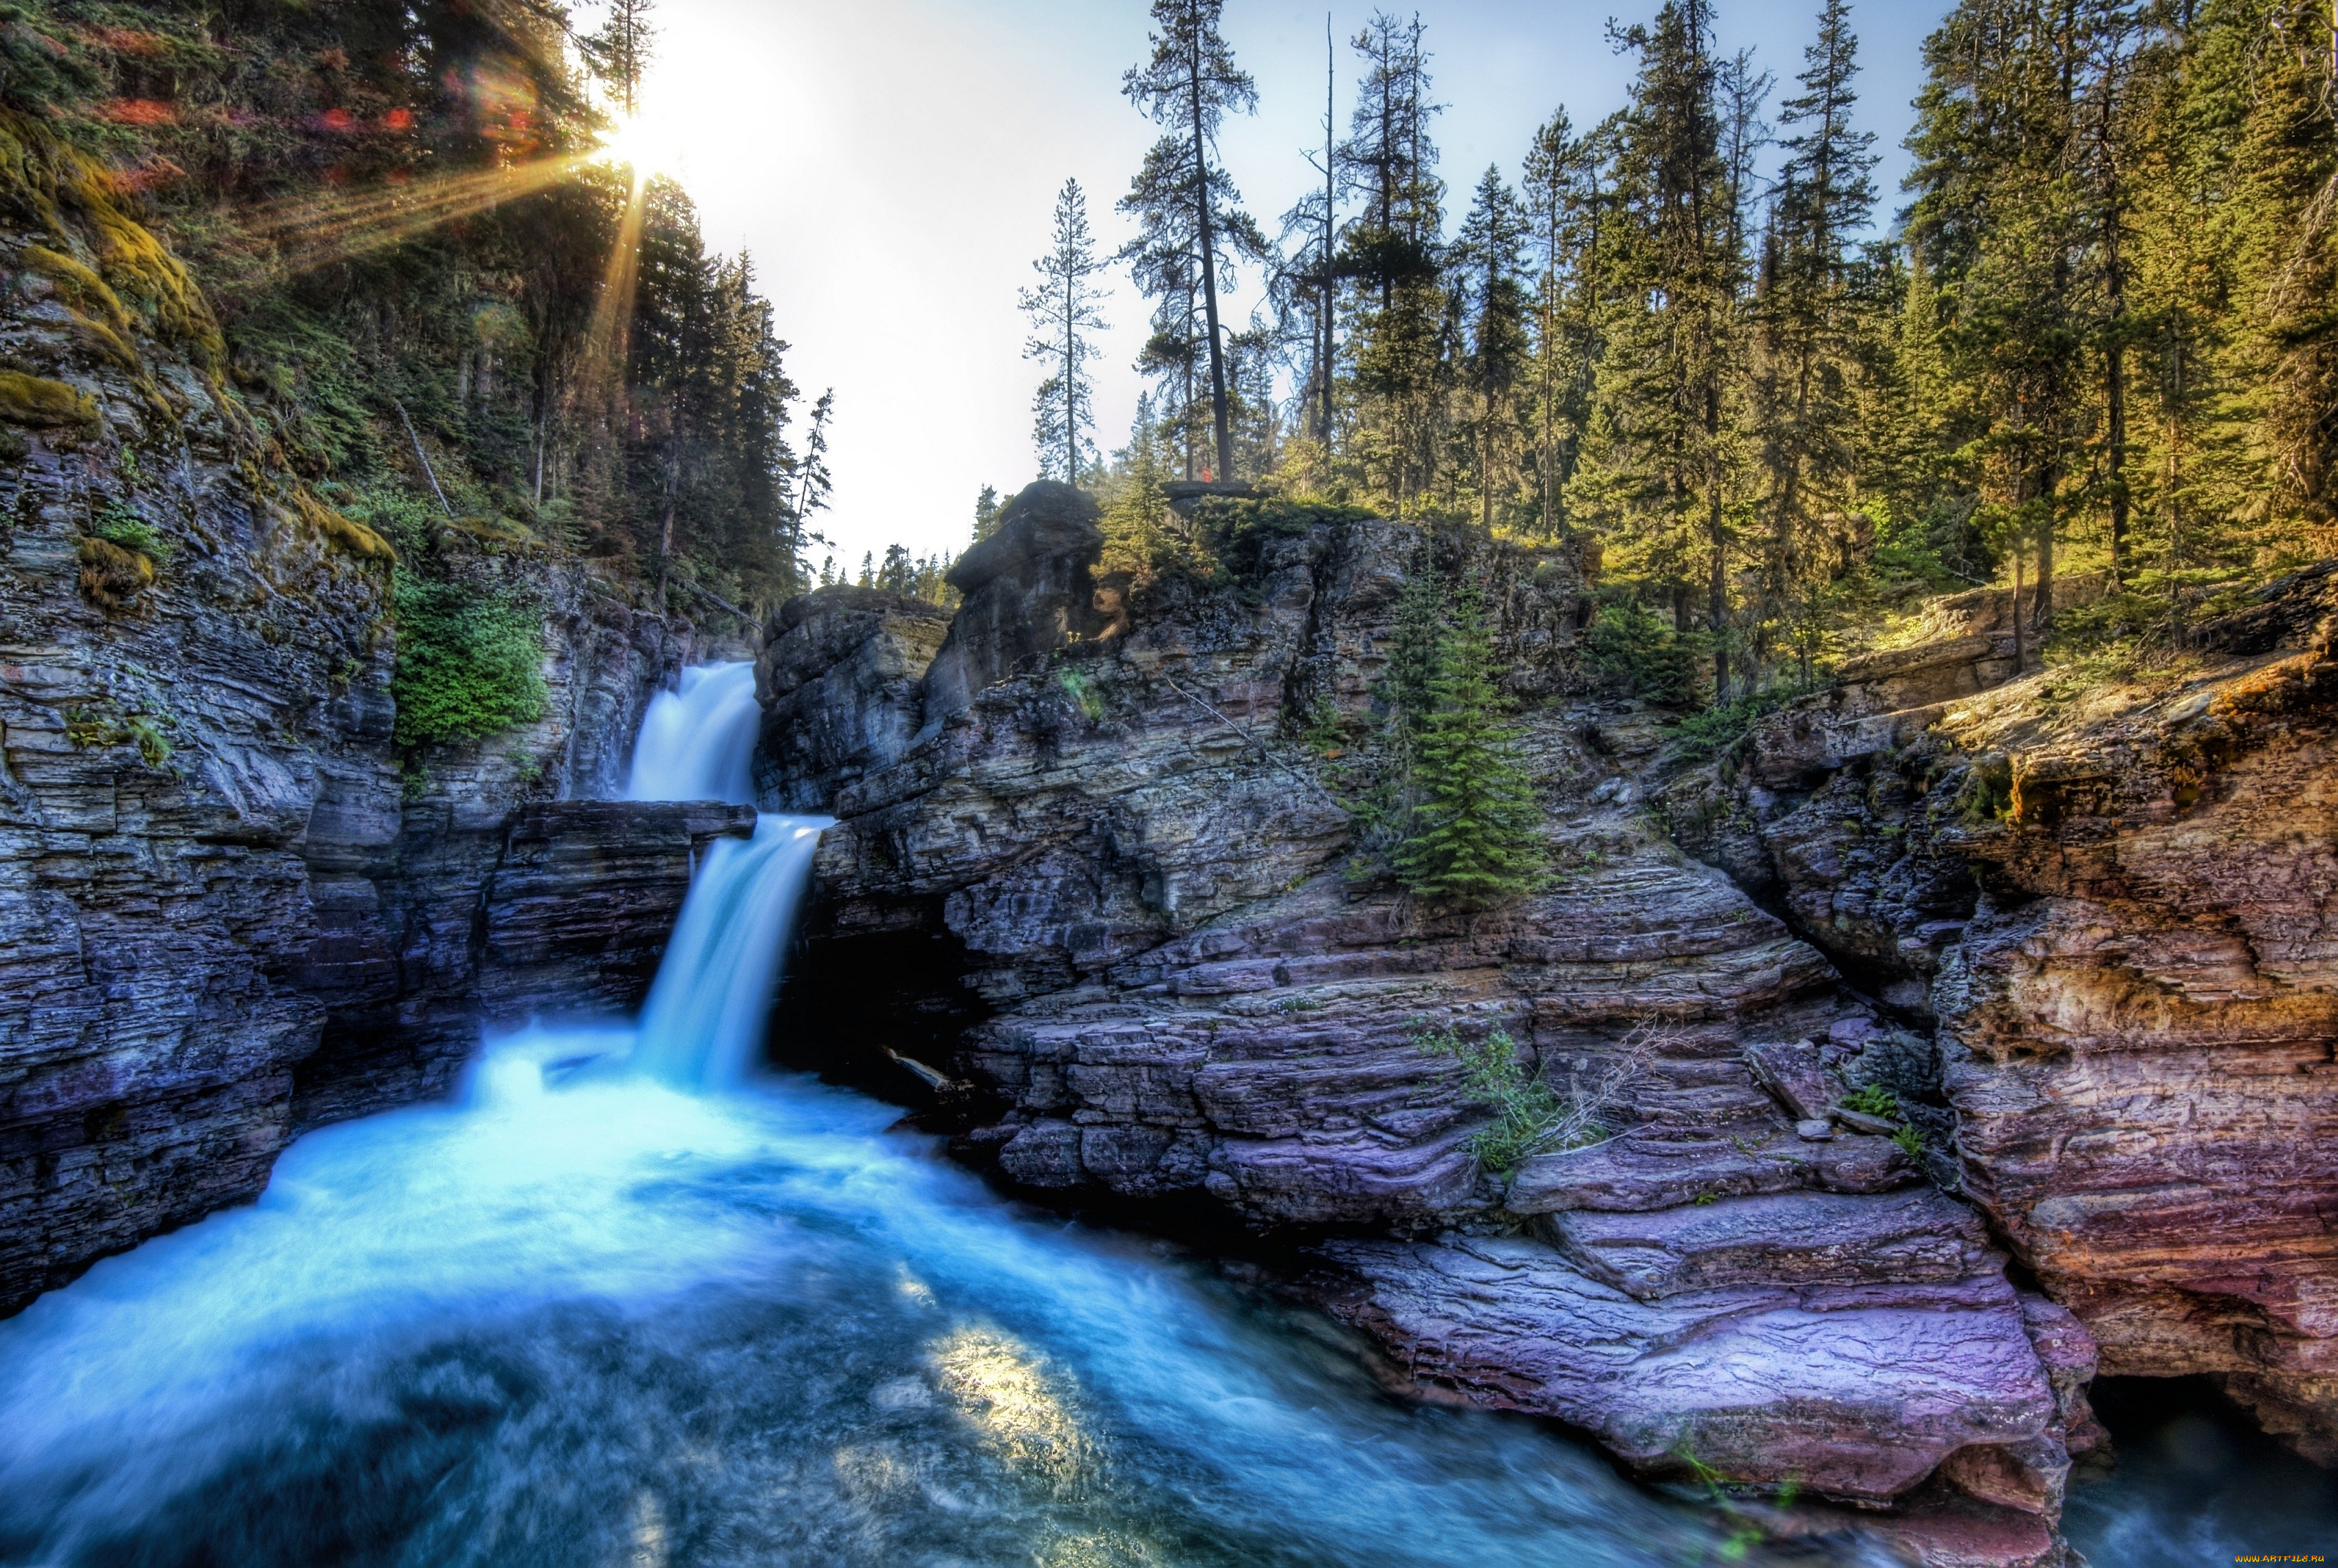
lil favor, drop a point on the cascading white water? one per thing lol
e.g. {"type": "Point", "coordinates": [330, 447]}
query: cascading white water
{"type": "Point", "coordinates": [698, 739]}
{"type": "Point", "coordinates": [703, 1022]}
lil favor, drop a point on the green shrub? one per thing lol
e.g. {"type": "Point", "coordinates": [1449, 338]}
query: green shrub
{"type": "Point", "coordinates": [1527, 1111]}
{"type": "Point", "coordinates": [1530, 1117]}
{"type": "Point", "coordinates": [470, 662]}
{"type": "Point", "coordinates": [1241, 531]}
{"type": "Point", "coordinates": [1986, 795]}
{"type": "Point", "coordinates": [118, 525]}
{"type": "Point", "coordinates": [1719, 727]}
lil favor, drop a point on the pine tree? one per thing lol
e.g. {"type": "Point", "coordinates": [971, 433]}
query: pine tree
{"type": "Point", "coordinates": [1563, 190]}
{"type": "Point", "coordinates": [1390, 251]}
{"type": "Point", "coordinates": [2001, 220]}
{"type": "Point", "coordinates": [1063, 311]}
{"type": "Point", "coordinates": [619, 51]}
{"type": "Point", "coordinates": [1475, 835]}
{"type": "Point", "coordinates": [986, 513]}
{"type": "Point", "coordinates": [1488, 257]}
{"type": "Point", "coordinates": [1189, 83]}
{"type": "Point", "coordinates": [1809, 322]}
{"type": "Point", "coordinates": [1659, 465]}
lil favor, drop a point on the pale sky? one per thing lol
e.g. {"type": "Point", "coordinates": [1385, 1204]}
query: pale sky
{"type": "Point", "coordinates": [892, 166]}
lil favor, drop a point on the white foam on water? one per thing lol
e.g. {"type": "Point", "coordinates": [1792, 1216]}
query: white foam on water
{"type": "Point", "coordinates": [816, 1333]}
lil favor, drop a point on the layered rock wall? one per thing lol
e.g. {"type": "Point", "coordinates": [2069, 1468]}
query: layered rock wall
{"type": "Point", "coordinates": [2109, 901]}
{"type": "Point", "coordinates": [1176, 989]}
{"type": "Point", "coordinates": [228, 907]}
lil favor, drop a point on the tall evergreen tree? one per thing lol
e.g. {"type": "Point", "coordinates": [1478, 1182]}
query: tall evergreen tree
{"type": "Point", "coordinates": [1189, 85]}
{"type": "Point", "coordinates": [1660, 467]}
{"type": "Point", "coordinates": [1489, 259]}
{"type": "Point", "coordinates": [1062, 310]}
{"type": "Point", "coordinates": [1563, 189]}
{"type": "Point", "coordinates": [2001, 219]}
{"type": "Point", "coordinates": [618, 51]}
{"type": "Point", "coordinates": [1809, 320]}
{"type": "Point", "coordinates": [1390, 250]}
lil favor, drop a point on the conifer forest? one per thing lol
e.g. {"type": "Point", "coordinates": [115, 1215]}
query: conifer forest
{"type": "Point", "coordinates": [2095, 335]}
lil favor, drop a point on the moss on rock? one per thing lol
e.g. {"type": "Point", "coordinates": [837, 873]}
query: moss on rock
{"type": "Point", "coordinates": [342, 531]}
{"type": "Point", "coordinates": [112, 578]}
{"type": "Point", "coordinates": [44, 404]}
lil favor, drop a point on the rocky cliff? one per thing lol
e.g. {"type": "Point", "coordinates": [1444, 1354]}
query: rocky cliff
{"type": "Point", "coordinates": [229, 905]}
{"type": "Point", "coordinates": [2111, 897]}
{"type": "Point", "coordinates": [1082, 847]}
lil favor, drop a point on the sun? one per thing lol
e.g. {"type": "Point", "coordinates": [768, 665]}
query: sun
{"type": "Point", "coordinates": [642, 145]}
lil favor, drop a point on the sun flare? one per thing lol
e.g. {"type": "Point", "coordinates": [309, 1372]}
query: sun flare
{"type": "Point", "coordinates": [642, 145]}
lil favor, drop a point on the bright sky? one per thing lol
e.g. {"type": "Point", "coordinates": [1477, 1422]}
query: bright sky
{"type": "Point", "coordinates": [891, 165]}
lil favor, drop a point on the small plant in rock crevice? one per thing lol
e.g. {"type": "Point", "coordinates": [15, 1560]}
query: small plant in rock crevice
{"type": "Point", "coordinates": [1531, 1116]}
{"type": "Point", "coordinates": [120, 525]}
{"type": "Point", "coordinates": [1874, 1099]}
{"type": "Point", "coordinates": [1083, 695]}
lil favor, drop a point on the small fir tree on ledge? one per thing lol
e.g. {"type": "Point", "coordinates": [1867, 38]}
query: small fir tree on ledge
{"type": "Point", "coordinates": [1474, 834]}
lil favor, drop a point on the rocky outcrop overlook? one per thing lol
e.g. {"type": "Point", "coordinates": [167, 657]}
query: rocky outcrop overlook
{"type": "Point", "coordinates": [1116, 893]}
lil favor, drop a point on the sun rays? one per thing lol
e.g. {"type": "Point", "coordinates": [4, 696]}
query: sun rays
{"type": "Point", "coordinates": [320, 228]}
{"type": "Point", "coordinates": [316, 229]}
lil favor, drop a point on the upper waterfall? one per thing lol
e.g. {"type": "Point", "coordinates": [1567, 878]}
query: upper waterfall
{"type": "Point", "coordinates": [697, 740]}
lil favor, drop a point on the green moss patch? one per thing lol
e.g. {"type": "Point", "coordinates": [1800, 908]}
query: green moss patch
{"type": "Point", "coordinates": [342, 531]}
{"type": "Point", "coordinates": [44, 404]}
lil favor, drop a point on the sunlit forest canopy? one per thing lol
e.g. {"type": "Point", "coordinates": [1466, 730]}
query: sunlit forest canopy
{"type": "Point", "coordinates": [446, 296]}
{"type": "Point", "coordinates": [2093, 337]}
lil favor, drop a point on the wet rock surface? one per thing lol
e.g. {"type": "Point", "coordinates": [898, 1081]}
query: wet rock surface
{"type": "Point", "coordinates": [1857, 1391]}
{"type": "Point", "coordinates": [227, 910]}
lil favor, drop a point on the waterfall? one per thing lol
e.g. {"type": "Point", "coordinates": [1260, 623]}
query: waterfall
{"type": "Point", "coordinates": [697, 740]}
{"type": "Point", "coordinates": [591, 1315]}
{"type": "Point", "coordinates": [703, 1025]}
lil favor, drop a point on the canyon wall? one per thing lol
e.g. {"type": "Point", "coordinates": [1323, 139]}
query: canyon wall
{"type": "Point", "coordinates": [230, 907]}
{"type": "Point", "coordinates": [1121, 891]}
{"type": "Point", "coordinates": [2113, 901]}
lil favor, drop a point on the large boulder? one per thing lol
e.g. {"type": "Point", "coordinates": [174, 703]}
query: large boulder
{"type": "Point", "coordinates": [1028, 591]}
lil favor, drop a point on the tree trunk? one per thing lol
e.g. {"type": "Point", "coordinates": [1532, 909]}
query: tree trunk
{"type": "Point", "coordinates": [2115, 400]}
{"type": "Point", "coordinates": [1071, 392]}
{"type": "Point", "coordinates": [2017, 611]}
{"type": "Point", "coordinates": [2043, 615]}
{"type": "Point", "coordinates": [1225, 441]}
